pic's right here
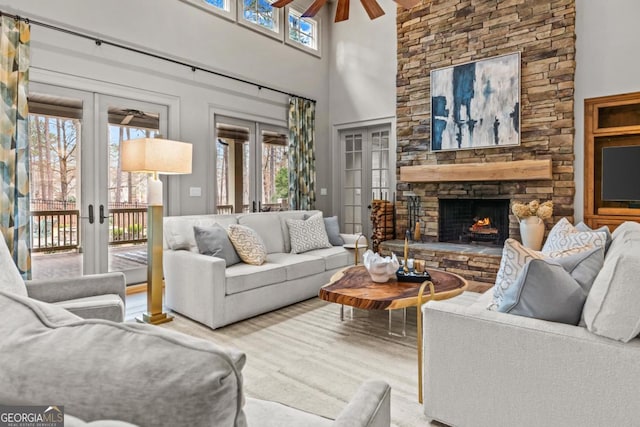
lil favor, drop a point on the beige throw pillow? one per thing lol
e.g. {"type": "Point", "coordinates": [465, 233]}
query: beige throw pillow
{"type": "Point", "coordinates": [247, 244]}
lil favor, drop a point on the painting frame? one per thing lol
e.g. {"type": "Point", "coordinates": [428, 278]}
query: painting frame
{"type": "Point", "coordinates": [476, 104]}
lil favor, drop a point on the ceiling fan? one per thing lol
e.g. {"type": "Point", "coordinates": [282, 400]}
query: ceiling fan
{"type": "Point", "coordinates": [372, 8]}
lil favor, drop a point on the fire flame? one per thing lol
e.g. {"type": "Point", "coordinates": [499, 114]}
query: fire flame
{"type": "Point", "coordinates": [481, 223]}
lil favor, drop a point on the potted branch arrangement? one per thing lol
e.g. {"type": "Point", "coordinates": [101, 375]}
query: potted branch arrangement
{"type": "Point", "coordinates": [531, 217]}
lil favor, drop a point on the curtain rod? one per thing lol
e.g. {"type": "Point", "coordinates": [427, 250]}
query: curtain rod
{"type": "Point", "coordinates": [193, 68]}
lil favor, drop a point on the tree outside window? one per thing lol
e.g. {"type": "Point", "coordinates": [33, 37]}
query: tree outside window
{"type": "Point", "coordinates": [302, 30]}
{"type": "Point", "coordinates": [260, 12]}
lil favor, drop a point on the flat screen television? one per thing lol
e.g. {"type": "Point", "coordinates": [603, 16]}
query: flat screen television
{"type": "Point", "coordinates": [621, 173]}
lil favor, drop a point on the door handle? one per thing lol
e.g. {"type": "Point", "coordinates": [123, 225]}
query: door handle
{"type": "Point", "coordinates": [102, 216]}
{"type": "Point", "coordinates": [90, 214]}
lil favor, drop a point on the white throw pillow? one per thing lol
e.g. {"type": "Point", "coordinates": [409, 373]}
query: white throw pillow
{"type": "Point", "coordinates": [514, 257]}
{"type": "Point", "coordinates": [309, 234]}
{"type": "Point", "coordinates": [564, 236]}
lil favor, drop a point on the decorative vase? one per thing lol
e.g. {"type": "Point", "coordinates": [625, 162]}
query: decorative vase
{"type": "Point", "coordinates": [532, 232]}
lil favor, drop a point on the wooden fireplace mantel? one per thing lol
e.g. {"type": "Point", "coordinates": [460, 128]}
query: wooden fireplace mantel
{"type": "Point", "coordinates": [518, 170]}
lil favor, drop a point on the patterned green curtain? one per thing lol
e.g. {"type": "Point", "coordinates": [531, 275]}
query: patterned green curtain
{"type": "Point", "coordinates": [14, 147]}
{"type": "Point", "coordinates": [302, 158]}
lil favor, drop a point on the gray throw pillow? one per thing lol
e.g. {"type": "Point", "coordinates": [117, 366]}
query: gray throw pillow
{"type": "Point", "coordinates": [333, 230]}
{"type": "Point", "coordinates": [583, 266]}
{"type": "Point", "coordinates": [544, 290]}
{"type": "Point", "coordinates": [332, 227]}
{"type": "Point", "coordinates": [214, 241]}
{"type": "Point", "coordinates": [581, 226]}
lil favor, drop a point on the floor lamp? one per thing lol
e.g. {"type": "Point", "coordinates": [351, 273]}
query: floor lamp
{"type": "Point", "coordinates": [155, 156]}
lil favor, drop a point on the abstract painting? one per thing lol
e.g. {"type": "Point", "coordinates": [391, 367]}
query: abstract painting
{"type": "Point", "coordinates": [476, 105]}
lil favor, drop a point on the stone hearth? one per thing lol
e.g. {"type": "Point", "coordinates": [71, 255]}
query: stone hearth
{"type": "Point", "coordinates": [471, 261]}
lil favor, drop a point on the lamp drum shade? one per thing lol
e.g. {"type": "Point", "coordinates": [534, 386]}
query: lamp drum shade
{"type": "Point", "coordinates": [156, 155]}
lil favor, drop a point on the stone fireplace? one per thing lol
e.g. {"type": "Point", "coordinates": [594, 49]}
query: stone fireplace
{"type": "Point", "coordinates": [482, 221]}
{"type": "Point", "coordinates": [449, 32]}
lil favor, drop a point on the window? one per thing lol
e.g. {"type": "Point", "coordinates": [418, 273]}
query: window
{"type": "Point", "coordinates": [261, 15]}
{"type": "Point", "coordinates": [224, 8]}
{"type": "Point", "coordinates": [302, 31]}
{"type": "Point", "coordinates": [252, 166]}
{"type": "Point", "coordinates": [220, 4]}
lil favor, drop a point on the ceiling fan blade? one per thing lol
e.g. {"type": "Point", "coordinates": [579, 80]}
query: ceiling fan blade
{"type": "Point", "coordinates": [373, 8]}
{"type": "Point", "coordinates": [314, 8]}
{"type": "Point", "coordinates": [281, 3]}
{"type": "Point", "coordinates": [342, 11]}
{"type": "Point", "coordinates": [408, 4]}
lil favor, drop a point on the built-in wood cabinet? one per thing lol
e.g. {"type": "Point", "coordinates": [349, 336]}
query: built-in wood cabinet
{"type": "Point", "coordinates": [610, 121]}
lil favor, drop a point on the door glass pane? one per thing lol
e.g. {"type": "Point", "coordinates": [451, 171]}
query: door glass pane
{"type": "Point", "coordinates": [352, 189]}
{"type": "Point", "coordinates": [223, 177]}
{"type": "Point", "coordinates": [233, 173]}
{"type": "Point", "coordinates": [127, 194]}
{"type": "Point", "coordinates": [54, 150]}
{"type": "Point", "coordinates": [275, 171]}
{"type": "Point", "coordinates": [380, 185]}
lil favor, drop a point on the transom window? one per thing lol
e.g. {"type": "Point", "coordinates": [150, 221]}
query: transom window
{"type": "Point", "coordinates": [220, 4]}
{"type": "Point", "coordinates": [261, 13]}
{"type": "Point", "coordinates": [224, 8]}
{"type": "Point", "coordinates": [303, 30]}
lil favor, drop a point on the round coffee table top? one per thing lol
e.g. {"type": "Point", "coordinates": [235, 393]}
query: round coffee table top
{"type": "Point", "coordinates": [353, 286]}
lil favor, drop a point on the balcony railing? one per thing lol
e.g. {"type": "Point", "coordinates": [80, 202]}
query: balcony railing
{"type": "Point", "coordinates": [55, 230]}
{"type": "Point", "coordinates": [265, 207]}
{"type": "Point", "coordinates": [55, 225]}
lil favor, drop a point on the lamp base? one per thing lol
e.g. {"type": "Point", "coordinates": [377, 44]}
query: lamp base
{"type": "Point", "coordinates": [154, 319]}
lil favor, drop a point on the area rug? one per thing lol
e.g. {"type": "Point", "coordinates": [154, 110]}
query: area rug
{"type": "Point", "coordinates": [305, 357]}
{"type": "Point", "coordinates": [139, 256]}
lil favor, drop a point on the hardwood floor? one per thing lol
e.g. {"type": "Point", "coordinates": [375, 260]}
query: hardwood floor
{"type": "Point", "coordinates": [136, 305]}
{"type": "Point", "coordinates": [137, 302]}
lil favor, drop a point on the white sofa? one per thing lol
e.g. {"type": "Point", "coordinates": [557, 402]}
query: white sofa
{"type": "Point", "coordinates": [485, 368]}
{"type": "Point", "coordinates": [201, 288]}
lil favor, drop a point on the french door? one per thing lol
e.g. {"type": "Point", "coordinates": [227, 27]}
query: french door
{"type": "Point", "coordinates": [366, 161]}
{"type": "Point", "coordinates": [87, 215]}
{"type": "Point", "coordinates": [251, 166]}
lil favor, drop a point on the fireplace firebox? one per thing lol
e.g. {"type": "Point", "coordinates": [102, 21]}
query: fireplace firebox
{"type": "Point", "coordinates": [473, 220]}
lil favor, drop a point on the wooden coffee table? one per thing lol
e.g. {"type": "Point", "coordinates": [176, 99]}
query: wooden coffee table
{"type": "Point", "coordinates": [353, 286]}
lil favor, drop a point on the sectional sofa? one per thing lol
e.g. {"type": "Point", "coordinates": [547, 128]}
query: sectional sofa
{"type": "Point", "coordinates": [485, 368]}
{"type": "Point", "coordinates": [202, 288]}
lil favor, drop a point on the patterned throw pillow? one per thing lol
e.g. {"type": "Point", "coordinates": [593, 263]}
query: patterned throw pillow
{"type": "Point", "coordinates": [581, 226]}
{"type": "Point", "coordinates": [308, 234]}
{"type": "Point", "coordinates": [248, 244]}
{"type": "Point", "coordinates": [564, 236]}
{"type": "Point", "coordinates": [514, 258]}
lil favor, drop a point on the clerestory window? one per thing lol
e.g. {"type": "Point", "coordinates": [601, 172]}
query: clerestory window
{"type": "Point", "coordinates": [224, 8]}
{"type": "Point", "coordinates": [260, 15]}
{"type": "Point", "coordinates": [302, 31]}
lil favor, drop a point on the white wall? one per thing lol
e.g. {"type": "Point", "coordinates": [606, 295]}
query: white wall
{"type": "Point", "coordinates": [176, 29]}
{"type": "Point", "coordinates": [607, 63]}
{"type": "Point", "coordinates": [363, 66]}
{"type": "Point", "coordinates": [362, 75]}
